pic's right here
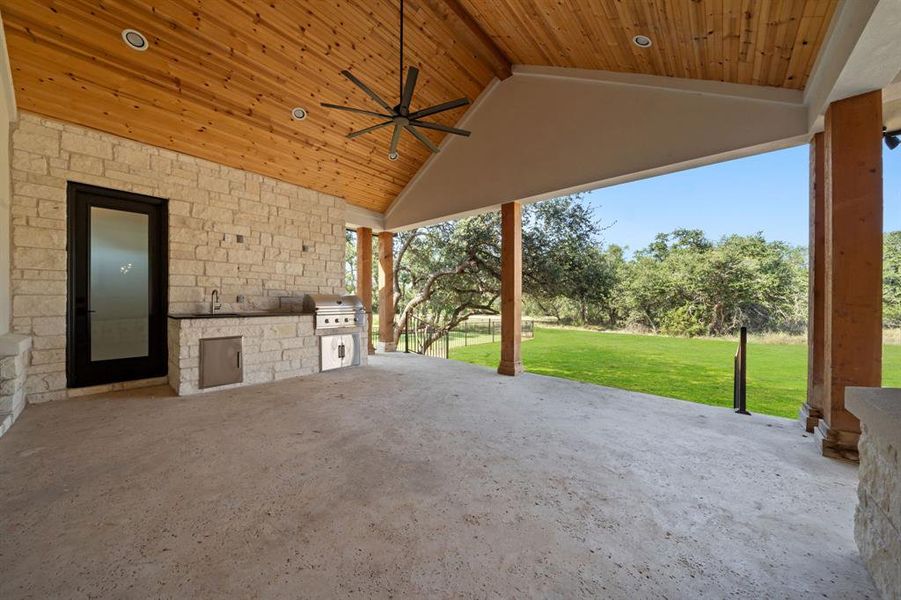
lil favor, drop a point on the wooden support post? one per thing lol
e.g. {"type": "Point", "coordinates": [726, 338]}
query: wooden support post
{"type": "Point", "coordinates": [812, 410]}
{"type": "Point", "coordinates": [364, 279]}
{"type": "Point", "coordinates": [853, 278]}
{"type": "Point", "coordinates": [386, 292]}
{"type": "Point", "coordinates": [511, 288]}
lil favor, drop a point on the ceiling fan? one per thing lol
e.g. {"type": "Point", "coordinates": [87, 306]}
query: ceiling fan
{"type": "Point", "coordinates": [400, 115]}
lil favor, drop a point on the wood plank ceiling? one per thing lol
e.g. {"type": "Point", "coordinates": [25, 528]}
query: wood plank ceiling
{"type": "Point", "coordinates": [221, 77]}
{"type": "Point", "coordinates": [758, 42]}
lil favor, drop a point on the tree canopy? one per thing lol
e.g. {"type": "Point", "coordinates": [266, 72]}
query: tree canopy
{"type": "Point", "coordinates": [682, 283]}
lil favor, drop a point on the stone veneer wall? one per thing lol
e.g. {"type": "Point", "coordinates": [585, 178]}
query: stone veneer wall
{"type": "Point", "coordinates": [877, 521]}
{"type": "Point", "coordinates": [293, 238]}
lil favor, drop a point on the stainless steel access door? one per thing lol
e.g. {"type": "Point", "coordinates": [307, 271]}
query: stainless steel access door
{"type": "Point", "coordinates": [337, 351]}
{"type": "Point", "coordinates": [221, 362]}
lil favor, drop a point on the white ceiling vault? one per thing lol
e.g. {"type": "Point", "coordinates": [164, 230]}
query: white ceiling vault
{"type": "Point", "coordinates": [547, 131]}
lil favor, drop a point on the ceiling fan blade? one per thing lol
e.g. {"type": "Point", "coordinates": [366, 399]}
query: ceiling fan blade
{"type": "Point", "coordinates": [368, 129]}
{"type": "Point", "coordinates": [366, 89]}
{"type": "Point", "coordinates": [395, 138]}
{"type": "Point", "coordinates": [439, 108]}
{"type": "Point", "coordinates": [439, 127]}
{"type": "Point", "coordinates": [355, 110]}
{"type": "Point", "coordinates": [425, 141]}
{"type": "Point", "coordinates": [409, 86]}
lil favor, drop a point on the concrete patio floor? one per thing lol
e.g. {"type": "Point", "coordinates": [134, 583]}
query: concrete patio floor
{"type": "Point", "coordinates": [419, 477]}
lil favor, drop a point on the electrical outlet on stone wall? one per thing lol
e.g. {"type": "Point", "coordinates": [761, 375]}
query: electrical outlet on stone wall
{"type": "Point", "coordinates": [240, 299]}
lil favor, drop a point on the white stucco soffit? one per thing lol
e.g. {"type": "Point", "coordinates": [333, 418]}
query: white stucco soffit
{"type": "Point", "coordinates": [546, 131]}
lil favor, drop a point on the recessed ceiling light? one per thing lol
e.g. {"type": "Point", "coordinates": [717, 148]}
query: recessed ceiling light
{"type": "Point", "coordinates": [135, 40]}
{"type": "Point", "coordinates": [642, 41]}
{"type": "Point", "coordinates": [298, 113]}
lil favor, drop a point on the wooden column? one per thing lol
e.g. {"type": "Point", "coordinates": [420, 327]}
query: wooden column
{"type": "Point", "coordinates": [511, 288]}
{"type": "Point", "coordinates": [812, 410]}
{"type": "Point", "coordinates": [853, 278]}
{"type": "Point", "coordinates": [386, 292]}
{"type": "Point", "coordinates": [364, 279]}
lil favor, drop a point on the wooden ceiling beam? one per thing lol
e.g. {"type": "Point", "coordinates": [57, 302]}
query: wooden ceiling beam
{"type": "Point", "coordinates": [468, 29]}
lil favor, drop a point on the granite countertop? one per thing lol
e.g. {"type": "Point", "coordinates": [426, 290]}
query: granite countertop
{"type": "Point", "coordinates": [234, 315]}
{"type": "Point", "coordinates": [877, 408]}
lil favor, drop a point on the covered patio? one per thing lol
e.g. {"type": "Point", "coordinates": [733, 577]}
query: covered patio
{"type": "Point", "coordinates": [176, 184]}
{"type": "Point", "coordinates": [419, 477]}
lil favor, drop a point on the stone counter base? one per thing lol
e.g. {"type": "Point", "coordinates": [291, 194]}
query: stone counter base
{"type": "Point", "coordinates": [878, 516]}
{"type": "Point", "coordinates": [15, 354]}
{"type": "Point", "coordinates": [274, 348]}
{"type": "Point", "coordinates": [877, 521]}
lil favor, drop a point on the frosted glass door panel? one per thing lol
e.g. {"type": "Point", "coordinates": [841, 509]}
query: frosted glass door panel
{"type": "Point", "coordinates": [119, 284]}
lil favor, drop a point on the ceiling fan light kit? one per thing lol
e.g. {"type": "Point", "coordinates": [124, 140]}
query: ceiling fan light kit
{"type": "Point", "coordinates": [400, 116]}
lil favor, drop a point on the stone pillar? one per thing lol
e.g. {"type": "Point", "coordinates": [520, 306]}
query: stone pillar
{"type": "Point", "coordinates": [364, 279]}
{"type": "Point", "coordinates": [386, 292]}
{"type": "Point", "coordinates": [511, 288]}
{"type": "Point", "coordinates": [853, 278]}
{"type": "Point", "coordinates": [812, 410]}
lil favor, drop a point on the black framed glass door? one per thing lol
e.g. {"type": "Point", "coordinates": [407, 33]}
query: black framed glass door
{"type": "Point", "coordinates": [118, 274]}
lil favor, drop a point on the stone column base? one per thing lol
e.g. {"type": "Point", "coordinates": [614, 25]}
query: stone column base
{"type": "Point", "coordinates": [510, 368]}
{"type": "Point", "coordinates": [836, 444]}
{"type": "Point", "coordinates": [386, 346]}
{"type": "Point", "coordinates": [809, 417]}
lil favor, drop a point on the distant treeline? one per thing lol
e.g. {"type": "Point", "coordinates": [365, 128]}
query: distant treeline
{"type": "Point", "coordinates": [685, 284]}
{"type": "Point", "coordinates": [681, 284]}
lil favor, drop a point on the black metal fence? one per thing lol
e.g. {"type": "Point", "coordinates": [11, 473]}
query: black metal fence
{"type": "Point", "coordinates": [422, 337]}
{"type": "Point", "coordinates": [483, 331]}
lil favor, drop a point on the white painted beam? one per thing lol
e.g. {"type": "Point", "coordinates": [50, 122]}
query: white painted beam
{"type": "Point", "coordinates": [355, 216]}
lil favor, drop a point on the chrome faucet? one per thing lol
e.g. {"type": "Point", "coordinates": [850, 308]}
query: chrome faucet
{"type": "Point", "coordinates": [215, 305]}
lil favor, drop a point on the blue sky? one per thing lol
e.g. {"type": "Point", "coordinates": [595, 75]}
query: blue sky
{"type": "Point", "coordinates": [765, 193]}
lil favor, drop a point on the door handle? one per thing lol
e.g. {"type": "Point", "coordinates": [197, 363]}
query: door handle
{"type": "Point", "coordinates": [239, 359]}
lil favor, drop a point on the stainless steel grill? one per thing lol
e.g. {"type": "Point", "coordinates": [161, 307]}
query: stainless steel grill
{"type": "Point", "coordinates": [334, 312]}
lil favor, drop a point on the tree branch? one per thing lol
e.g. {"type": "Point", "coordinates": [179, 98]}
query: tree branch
{"type": "Point", "coordinates": [398, 263]}
{"type": "Point", "coordinates": [426, 292]}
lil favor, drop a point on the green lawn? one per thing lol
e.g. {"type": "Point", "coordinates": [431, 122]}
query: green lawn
{"type": "Point", "coordinates": [699, 370]}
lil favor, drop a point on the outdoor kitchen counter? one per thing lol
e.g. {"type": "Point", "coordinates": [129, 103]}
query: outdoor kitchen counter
{"type": "Point", "coordinates": [227, 315]}
{"type": "Point", "coordinates": [274, 346]}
